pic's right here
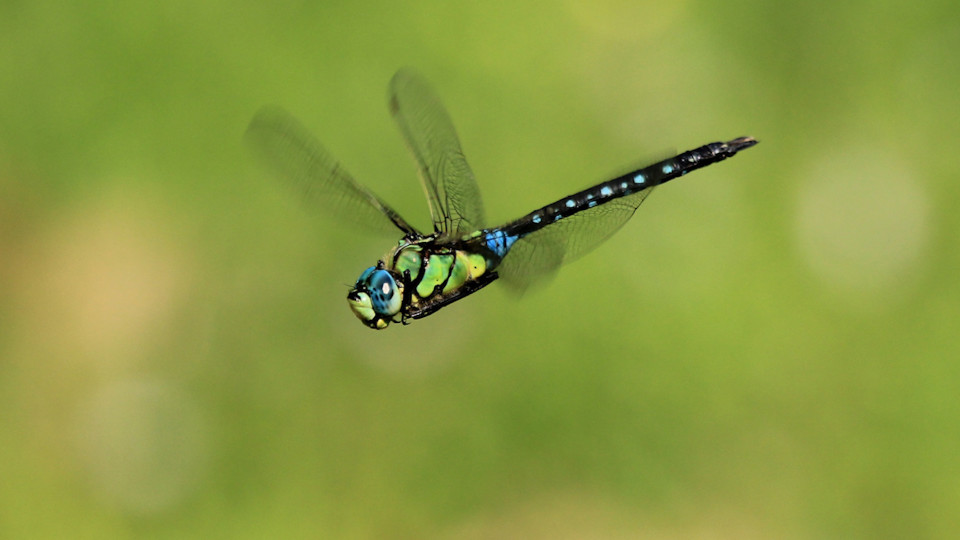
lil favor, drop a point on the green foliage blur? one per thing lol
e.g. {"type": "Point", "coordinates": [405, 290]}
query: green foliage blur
{"type": "Point", "coordinates": [769, 349]}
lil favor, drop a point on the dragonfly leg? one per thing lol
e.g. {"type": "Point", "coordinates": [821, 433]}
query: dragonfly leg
{"type": "Point", "coordinates": [407, 295]}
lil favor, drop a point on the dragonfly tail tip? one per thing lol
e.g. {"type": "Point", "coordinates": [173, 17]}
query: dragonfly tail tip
{"type": "Point", "coordinates": [742, 143]}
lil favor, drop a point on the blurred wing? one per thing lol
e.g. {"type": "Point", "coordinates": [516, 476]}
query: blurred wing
{"type": "Point", "coordinates": [540, 253]}
{"type": "Point", "coordinates": [455, 203]}
{"type": "Point", "coordinates": [291, 152]}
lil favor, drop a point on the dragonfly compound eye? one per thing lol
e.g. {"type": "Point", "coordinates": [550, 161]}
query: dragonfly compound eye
{"type": "Point", "coordinates": [385, 296]}
{"type": "Point", "coordinates": [375, 298]}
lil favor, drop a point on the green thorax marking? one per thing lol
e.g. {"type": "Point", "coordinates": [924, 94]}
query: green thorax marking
{"type": "Point", "coordinates": [435, 269]}
{"type": "Point", "coordinates": [408, 258]}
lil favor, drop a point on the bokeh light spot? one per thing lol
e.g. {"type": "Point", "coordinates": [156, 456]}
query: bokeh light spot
{"type": "Point", "coordinates": [862, 220]}
{"type": "Point", "coordinates": [142, 443]}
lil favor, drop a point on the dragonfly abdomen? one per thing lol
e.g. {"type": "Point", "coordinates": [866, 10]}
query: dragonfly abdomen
{"type": "Point", "coordinates": [627, 184]}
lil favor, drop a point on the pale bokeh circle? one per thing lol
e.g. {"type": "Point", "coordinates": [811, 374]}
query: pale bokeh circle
{"type": "Point", "coordinates": [862, 221]}
{"type": "Point", "coordinates": [142, 443]}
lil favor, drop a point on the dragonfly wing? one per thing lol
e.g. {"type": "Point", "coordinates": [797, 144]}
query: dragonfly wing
{"type": "Point", "coordinates": [291, 152]}
{"type": "Point", "coordinates": [455, 203]}
{"type": "Point", "coordinates": [539, 254]}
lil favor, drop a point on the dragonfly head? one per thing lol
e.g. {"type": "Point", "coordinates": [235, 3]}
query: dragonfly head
{"type": "Point", "coordinates": [376, 298]}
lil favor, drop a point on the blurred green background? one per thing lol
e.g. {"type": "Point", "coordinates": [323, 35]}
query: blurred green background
{"type": "Point", "coordinates": [769, 349]}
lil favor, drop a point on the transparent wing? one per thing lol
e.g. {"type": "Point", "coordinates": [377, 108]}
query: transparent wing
{"type": "Point", "coordinates": [291, 152]}
{"type": "Point", "coordinates": [455, 203]}
{"type": "Point", "coordinates": [540, 253]}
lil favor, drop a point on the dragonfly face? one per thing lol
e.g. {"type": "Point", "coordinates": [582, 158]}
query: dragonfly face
{"type": "Point", "coordinates": [376, 297]}
{"type": "Point", "coordinates": [426, 272]}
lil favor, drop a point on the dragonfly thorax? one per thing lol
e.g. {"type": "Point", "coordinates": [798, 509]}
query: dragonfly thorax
{"type": "Point", "coordinates": [418, 277]}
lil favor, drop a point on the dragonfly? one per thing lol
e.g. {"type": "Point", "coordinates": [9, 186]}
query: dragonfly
{"type": "Point", "coordinates": [425, 272]}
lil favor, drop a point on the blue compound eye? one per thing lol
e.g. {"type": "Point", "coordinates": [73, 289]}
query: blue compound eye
{"type": "Point", "coordinates": [384, 294]}
{"type": "Point", "coordinates": [364, 279]}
